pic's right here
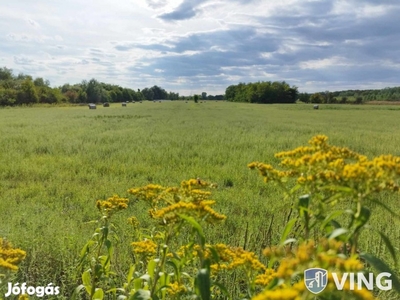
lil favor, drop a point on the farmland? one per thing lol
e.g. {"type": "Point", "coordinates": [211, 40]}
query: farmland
{"type": "Point", "coordinates": [55, 162]}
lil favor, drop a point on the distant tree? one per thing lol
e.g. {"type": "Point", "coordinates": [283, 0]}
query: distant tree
{"type": "Point", "coordinates": [7, 96]}
{"type": "Point", "coordinates": [71, 96]}
{"type": "Point", "coordinates": [262, 92]}
{"type": "Point", "coordinates": [94, 91]}
{"type": "Point", "coordinates": [40, 82]}
{"type": "Point", "coordinates": [230, 92]}
{"type": "Point", "coordinates": [82, 96]}
{"type": "Point", "coordinates": [196, 98]}
{"type": "Point", "coordinates": [6, 74]}
{"type": "Point", "coordinates": [317, 98]}
{"type": "Point", "coordinates": [304, 97]}
{"type": "Point", "coordinates": [127, 95]}
{"type": "Point", "coordinates": [27, 93]}
{"type": "Point", "coordinates": [204, 95]}
{"type": "Point", "coordinates": [148, 94]}
{"type": "Point", "coordinates": [359, 100]}
{"type": "Point", "coordinates": [159, 93]}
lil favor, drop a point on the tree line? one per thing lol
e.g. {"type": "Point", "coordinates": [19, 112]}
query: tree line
{"type": "Point", "coordinates": [24, 89]}
{"type": "Point", "coordinates": [352, 96]}
{"type": "Point", "coordinates": [262, 92]}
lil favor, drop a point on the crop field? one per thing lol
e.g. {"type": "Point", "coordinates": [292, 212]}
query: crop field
{"type": "Point", "coordinates": [56, 162]}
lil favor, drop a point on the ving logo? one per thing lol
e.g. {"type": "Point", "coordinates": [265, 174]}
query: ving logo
{"type": "Point", "coordinates": [315, 280]}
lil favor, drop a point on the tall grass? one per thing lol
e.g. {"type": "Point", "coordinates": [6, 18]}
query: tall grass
{"type": "Point", "coordinates": [56, 162]}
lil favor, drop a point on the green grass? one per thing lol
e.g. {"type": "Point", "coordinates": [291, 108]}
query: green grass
{"type": "Point", "coordinates": [56, 162]}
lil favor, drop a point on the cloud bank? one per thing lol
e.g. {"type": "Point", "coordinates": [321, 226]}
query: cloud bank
{"type": "Point", "coordinates": [192, 46]}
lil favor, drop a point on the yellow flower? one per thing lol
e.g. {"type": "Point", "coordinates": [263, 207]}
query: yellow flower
{"type": "Point", "coordinates": [266, 278]}
{"type": "Point", "coordinates": [112, 205]}
{"type": "Point", "coordinates": [323, 168]}
{"type": "Point", "coordinates": [176, 288]}
{"type": "Point", "coordinates": [234, 257]}
{"type": "Point", "coordinates": [144, 247]}
{"type": "Point", "coordinates": [10, 257]}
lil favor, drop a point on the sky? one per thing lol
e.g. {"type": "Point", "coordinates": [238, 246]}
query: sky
{"type": "Point", "coordinates": [195, 46]}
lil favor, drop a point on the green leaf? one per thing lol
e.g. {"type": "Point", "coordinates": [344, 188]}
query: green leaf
{"type": "Point", "coordinates": [137, 283]}
{"type": "Point", "coordinates": [390, 247]}
{"type": "Point", "coordinates": [332, 198]}
{"type": "Point", "coordinates": [203, 284]}
{"type": "Point", "coordinates": [109, 246]}
{"type": "Point", "coordinates": [130, 274]}
{"type": "Point", "coordinates": [174, 263]}
{"type": "Point", "coordinates": [338, 232]}
{"type": "Point", "coordinates": [196, 226]}
{"type": "Point", "coordinates": [141, 295]}
{"type": "Point", "coordinates": [151, 267]}
{"type": "Point", "coordinates": [362, 217]}
{"type": "Point", "coordinates": [295, 188]}
{"type": "Point", "coordinates": [381, 267]}
{"type": "Point", "coordinates": [288, 241]}
{"type": "Point", "coordinates": [329, 218]}
{"type": "Point", "coordinates": [104, 230]}
{"type": "Point", "coordinates": [87, 281]}
{"type": "Point", "coordinates": [273, 283]}
{"type": "Point", "coordinates": [287, 230]}
{"type": "Point", "coordinates": [77, 291]}
{"type": "Point", "coordinates": [214, 253]}
{"type": "Point", "coordinates": [304, 201]}
{"type": "Point", "coordinates": [344, 189]}
{"type": "Point", "coordinates": [98, 294]}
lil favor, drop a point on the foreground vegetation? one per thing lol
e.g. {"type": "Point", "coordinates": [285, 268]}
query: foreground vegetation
{"type": "Point", "coordinates": [57, 162]}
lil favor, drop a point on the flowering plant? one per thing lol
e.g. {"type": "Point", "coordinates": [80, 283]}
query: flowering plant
{"type": "Point", "coordinates": [174, 261]}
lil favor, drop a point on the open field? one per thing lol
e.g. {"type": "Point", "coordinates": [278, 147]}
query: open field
{"type": "Point", "coordinates": [56, 162]}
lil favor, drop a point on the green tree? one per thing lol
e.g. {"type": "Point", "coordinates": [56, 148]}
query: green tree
{"type": "Point", "coordinates": [94, 91]}
{"type": "Point", "coordinates": [317, 98]}
{"type": "Point", "coordinates": [6, 74]}
{"type": "Point", "coordinates": [27, 93]}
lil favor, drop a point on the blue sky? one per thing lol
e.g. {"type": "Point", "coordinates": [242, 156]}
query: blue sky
{"type": "Point", "coordinates": [192, 46]}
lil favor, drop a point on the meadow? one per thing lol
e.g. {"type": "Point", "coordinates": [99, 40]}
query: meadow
{"type": "Point", "coordinates": [55, 162]}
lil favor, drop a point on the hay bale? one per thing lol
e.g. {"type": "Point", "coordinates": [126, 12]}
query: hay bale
{"type": "Point", "coordinates": [92, 106]}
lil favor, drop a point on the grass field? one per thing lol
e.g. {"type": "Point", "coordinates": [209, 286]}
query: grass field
{"type": "Point", "coordinates": [55, 162]}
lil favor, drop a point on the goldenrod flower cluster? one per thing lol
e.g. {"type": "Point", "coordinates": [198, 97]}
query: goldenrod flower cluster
{"type": "Point", "coordinates": [10, 257]}
{"type": "Point", "coordinates": [326, 254]}
{"type": "Point", "coordinates": [199, 210]}
{"type": "Point", "coordinates": [112, 205]}
{"type": "Point", "coordinates": [176, 289]}
{"type": "Point", "coordinates": [234, 257]}
{"type": "Point", "coordinates": [23, 297]}
{"type": "Point", "coordinates": [149, 192]}
{"type": "Point", "coordinates": [189, 199]}
{"type": "Point", "coordinates": [193, 183]}
{"type": "Point", "coordinates": [144, 247]}
{"type": "Point", "coordinates": [283, 293]}
{"type": "Point", "coordinates": [320, 165]}
{"type": "Point", "coordinates": [266, 278]}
